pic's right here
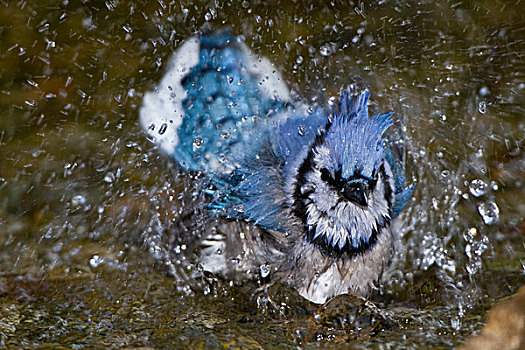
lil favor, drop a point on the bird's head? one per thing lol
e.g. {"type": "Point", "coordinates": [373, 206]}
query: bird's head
{"type": "Point", "coordinates": [344, 190]}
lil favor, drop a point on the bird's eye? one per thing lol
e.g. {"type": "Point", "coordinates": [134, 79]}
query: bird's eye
{"type": "Point", "coordinates": [325, 174]}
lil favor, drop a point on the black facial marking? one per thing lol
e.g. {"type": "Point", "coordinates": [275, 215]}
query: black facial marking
{"type": "Point", "coordinates": [300, 198]}
{"type": "Point", "coordinates": [355, 189]}
{"type": "Point", "coordinates": [356, 192]}
{"type": "Point", "coordinates": [389, 194]}
{"type": "Point", "coordinates": [336, 252]}
{"type": "Point", "coordinates": [325, 175]}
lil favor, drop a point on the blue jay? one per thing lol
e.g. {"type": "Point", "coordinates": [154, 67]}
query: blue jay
{"type": "Point", "coordinates": [319, 187]}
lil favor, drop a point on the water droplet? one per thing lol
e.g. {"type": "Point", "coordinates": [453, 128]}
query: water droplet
{"type": "Point", "coordinates": [78, 200]}
{"type": "Point", "coordinates": [489, 212]}
{"type": "Point", "coordinates": [474, 266]}
{"type": "Point", "coordinates": [484, 91]}
{"type": "Point", "coordinates": [96, 261]}
{"type": "Point", "coordinates": [455, 323]}
{"type": "Point", "coordinates": [151, 138]}
{"type": "Point", "coordinates": [109, 178]}
{"type": "Point", "coordinates": [197, 142]}
{"type": "Point", "coordinates": [265, 270]}
{"type": "Point", "coordinates": [301, 129]}
{"type": "Point", "coordinates": [477, 244]}
{"type": "Point", "coordinates": [163, 128]}
{"type": "Point", "coordinates": [445, 173]}
{"type": "Point", "coordinates": [50, 44]}
{"type": "Point", "coordinates": [325, 50]}
{"type": "Point", "coordinates": [239, 208]}
{"type": "Point", "coordinates": [299, 60]}
{"type": "Point", "coordinates": [478, 188]}
{"type": "Point", "coordinates": [482, 107]}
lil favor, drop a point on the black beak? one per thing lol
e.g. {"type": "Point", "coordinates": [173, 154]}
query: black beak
{"type": "Point", "coordinates": [356, 192]}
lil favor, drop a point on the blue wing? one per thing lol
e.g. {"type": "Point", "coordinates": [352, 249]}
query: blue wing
{"type": "Point", "coordinates": [224, 104]}
{"type": "Point", "coordinates": [394, 154]}
{"type": "Point", "coordinates": [254, 191]}
{"type": "Point", "coordinates": [212, 98]}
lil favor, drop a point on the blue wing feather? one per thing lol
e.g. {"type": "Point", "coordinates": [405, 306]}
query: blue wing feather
{"type": "Point", "coordinates": [402, 193]}
{"type": "Point", "coordinates": [254, 190]}
{"type": "Point", "coordinates": [224, 103]}
{"type": "Point", "coordinates": [298, 131]}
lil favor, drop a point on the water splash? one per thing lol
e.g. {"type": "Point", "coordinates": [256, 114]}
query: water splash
{"type": "Point", "coordinates": [326, 50]}
{"type": "Point", "coordinates": [478, 188]}
{"type": "Point", "coordinates": [264, 270]}
{"type": "Point", "coordinates": [477, 244]}
{"type": "Point", "coordinates": [96, 261]}
{"type": "Point", "coordinates": [482, 107]}
{"type": "Point", "coordinates": [489, 212]}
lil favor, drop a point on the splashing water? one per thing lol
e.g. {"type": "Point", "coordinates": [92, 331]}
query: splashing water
{"type": "Point", "coordinates": [489, 211]}
{"type": "Point", "coordinates": [478, 188]}
{"type": "Point", "coordinates": [95, 222]}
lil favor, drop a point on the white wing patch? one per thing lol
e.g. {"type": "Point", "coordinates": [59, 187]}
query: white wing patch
{"type": "Point", "coordinates": [161, 112]}
{"type": "Point", "coordinates": [270, 80]}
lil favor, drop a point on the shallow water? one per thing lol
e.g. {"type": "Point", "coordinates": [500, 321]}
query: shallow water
{"type": "Point", "coordinates": [93, 220]}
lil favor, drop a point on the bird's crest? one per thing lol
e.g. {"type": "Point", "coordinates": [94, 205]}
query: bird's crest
{"type": "Point", "coordinates": [355, 141]}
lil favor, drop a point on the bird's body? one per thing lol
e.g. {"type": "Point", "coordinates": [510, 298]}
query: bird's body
{"type": "Point", "coordinates": [320, 188]}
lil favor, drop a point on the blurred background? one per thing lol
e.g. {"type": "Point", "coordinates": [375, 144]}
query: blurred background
{"type": "Point", "coordinates": [91, 214]}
